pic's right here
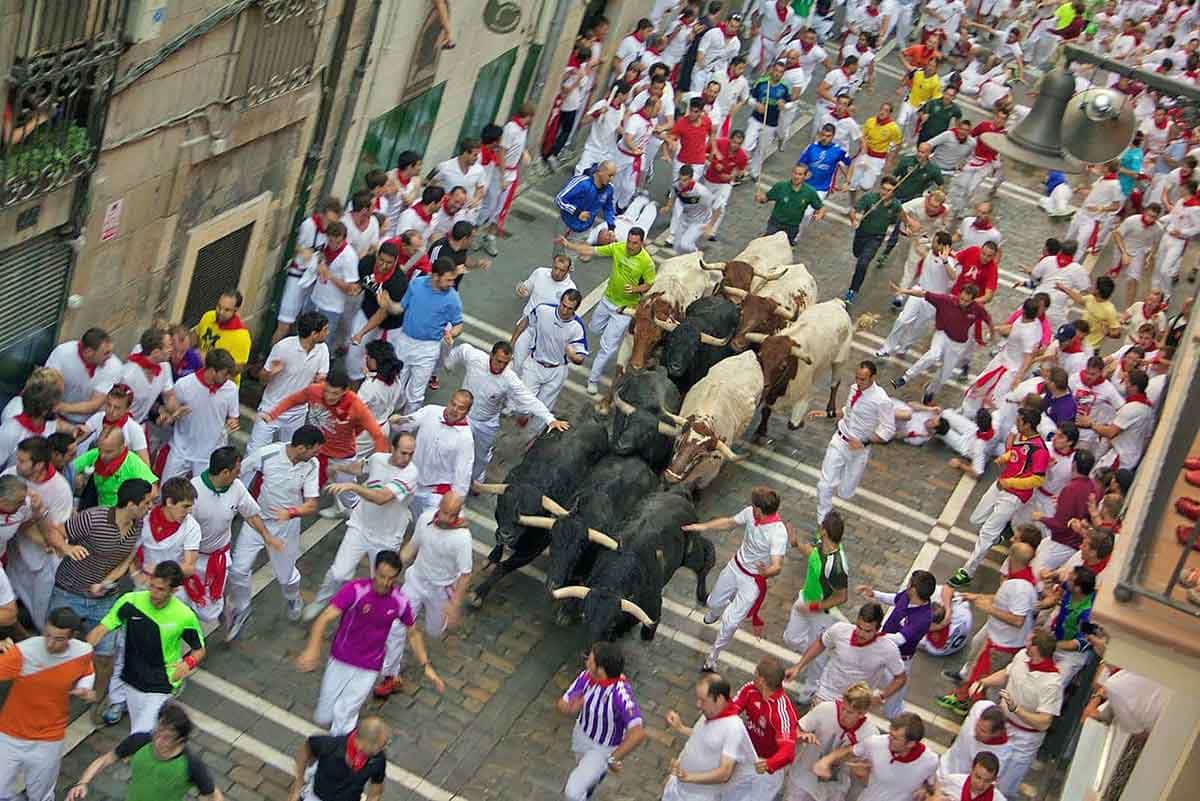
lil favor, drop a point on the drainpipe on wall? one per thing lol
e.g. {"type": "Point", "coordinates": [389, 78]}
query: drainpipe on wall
{"type": "Point", "coordinates": [553, 38]}
{"type": "Point", "coordinates": [360, 71]}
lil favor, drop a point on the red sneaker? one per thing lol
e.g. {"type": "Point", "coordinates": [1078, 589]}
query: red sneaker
{"type": "Point", "coordinates": [386, 686]}
{"type": "Point", "coordinates": [433, 383]}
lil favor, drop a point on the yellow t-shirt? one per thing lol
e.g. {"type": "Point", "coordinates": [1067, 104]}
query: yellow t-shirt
{"type": "Point", "coordinates": [924, 88]}
{"type": "Point", "coordinates": [234, 340]}
{"type": "Point", "coordinates": [881, 138]}
{"type": "Point", "coordinates": [1102, 317]}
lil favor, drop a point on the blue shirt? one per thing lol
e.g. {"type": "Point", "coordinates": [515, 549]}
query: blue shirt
{"type": "Point", "coordinates": [1131, 159]}
{"type": "Point", "coordinates": [822, 161]}
{"type": "Point", "coordinates": [427, 312]}
{"type": "Point", "coordinates": [581, 194]}
{"type": "Point", "coordinates": [773, 95]}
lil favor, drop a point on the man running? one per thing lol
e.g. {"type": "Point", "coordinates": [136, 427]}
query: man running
{"type": "Point", "coordinates": [445, 450]}
{"type": "Point", "coordinates": [900, 764]}
{"type": "Point", "coordinates": [771, 722]}
{"type": "Point", "coordinates": [343, 766]}
{"type": "Point", "coordinates": [825, 588]}
{"type": "Point", "coordinates": [857, 652]}
{"type": "Point", "coordinates": [718, 755]}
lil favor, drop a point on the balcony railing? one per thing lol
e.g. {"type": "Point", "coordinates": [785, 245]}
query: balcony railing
{"type": "Point", "coordinates": [279, 44]}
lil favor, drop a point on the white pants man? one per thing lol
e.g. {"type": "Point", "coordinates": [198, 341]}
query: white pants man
{"type": "Point", "coordinates": [356, 543]}
{"type": "Point", "coordinates": [1089, 229]}
{"type": "Point", "coordinates": [625, 182]}
{"type": "Point", "coordinates": [206, 587]}
{"type": "Point", "coordinates": [38, 761]}
{"type": "Point", "coordinates": [994, 511]}
{"type": "Point", "coordinates": [544, 381]}
{"type": "Point", "coordinates": [732, 598]}
{"type": "Point", "coordinates": [422, 597]}
{"type": "Point", "coordinates": [611, 323]}
{"type": "Point", "coordinates": [803, 629]}
{"type": "Point", "coordinates": [356, 355]}
{"type": "Point", "coordinates": [720, 193]}
{"type": "Point", "coordinates": [591, 768]}
{"type": "Point", "coordinates": [1058, 202]}
{"type": "Point", "coordinates": [1166, 266]}
{"type": "Point", "coordinates": [180, 465]}
{"type": "Point", "coordinates": [420, 357]}
{"type": "Point", "coordinates": [968, 181]}
{"type": "Point", "coordinates": [808, 213]}
{"type": "Point", "coordinates": [1051, 555]}
{"type": "Point", "coordinates": [943, 352]}
{"type": "Point", "coordinates": [33, 586]}
{"type": "Point", "coordinates": [841, 472]}
{"type": "Point", "coordinates": [761, 141]}
{"type": "Point", "coordinates": [344, 688]}
{"type": "Point", "coordinates": [283, 563]}
{"type": "Point", "coordinates": [484, 433]}
{"type": "Point", "coordinates": [278, 430]}
{"type": "Point", "coordinates": [914, 321]}
{"type": "Point", "coordinates": [866, 169]}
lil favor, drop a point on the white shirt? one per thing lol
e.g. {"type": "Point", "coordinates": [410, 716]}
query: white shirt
{"type": "Point", "coordinates": [962, 751]}
{"type": "Point", "coordinates": [1136, 421]}
{"type": "Point", "coordinates": [450, 174]}
{"type": "Point", "coordinates": [847, 133]}
{"type": "Point", "coordinates": [363, 240]}
{"type": "Point", "coordinates": [307, 238]}
{"type": "Point", "coordinates": [58, 501]}
{"type": "Point", "coordinates": [853, 663]}
{"type": "Point", "coordinates": [1049, 275]}
{"type": "Point", "coordinates": [551, 335]}
{"type": "Point", "coordinates": [1038, 690]}
{"type": "Point", "coordinates": [911, 431]}
{"type": "Point", "coordinates": [1138, 237]}
{"type": "Point", "coordinates": [169, 549]}
{"type": "Point", "coordinates": [11, 409]}
{"type": "Point", "coordinates": [12, 433]}
{"type": "Point", "coordinates": [710, 742]}
{"type": "Point", "coordinates": [512, 145]}
{"type": "Point", "coordinates": [1135, 701]}
{"type": "Point", "coordinates": [1100, 403]}
{"type": "Point", "coordinates": [715, 51]}
{"type": "Point", "coordinates": [867, 416]}
{"type": "Point", "coordinates": [770, 28]}
{"type": "Point", "coordinates": [1137, 316]}
{"type": "Point", "coordinates": [892, 780]}
{"type": "Point", "coordinates": [1104, 193]}
{"type": "Point", "coordinates": [10, 523]}
{"type": "Point", "coordinates": [737, 90]}
{"type": "Point", "coordinates": [935, 277]}
{"type": "Point", "coordinates": [215, 511]}
{"type": "Point", "coordinates": [411, 220]}
{"type": "Point", "coordinates": [284, 483]}
{"type": "Point", "coordinates": [949, 153]}
{"type": "Point", "coordinates": [78, 384]}
{"type": "Point", "coordinates": [629, 50]}
{"type": "Point", "coordinates": [381, 399]}
{"type": "Point", "coordinates": [930, 223]}
{"type": "Point", "coordinates": [836, 80]}
{"type": "Point", "coordinates": [444, 452]}
{"type": "Point", "coordinates": [202, 430]}
{"type": "Point", "coordinates": [822, 721]}
{"type": "Point", "coordinates": [952, 785]}
{"type": "Point", "coordinates": [699, 206]}
{"type": "Point", "coordinates": [135, 435]}
{"type": "Point", "coordinates": [145, 390]}
{"type": "Point", "coordinates": [326, 295]}
{"type": "Point", "coordinates": [760, 543]}
{"type": "Point", "coordinates": [542, 288]}
{"type": "Point", "coordinates": [1018, 597]}
{"type": "Point", "coordinates": [443, 554]}
{"type": "Point", "coordinates": [1024, 338]}
{"type": "Point", "coordinates": [810, 59]}
{"type": "Point", "coordinates": [300, 369]}
{"type": "Point", "coordinates": [385, 523]}
{"type": "Point", "coordinates": [1155, 388]}
{"type": "Point", "coordinates": [602, 135]}
{"type": "Point", "coordinates": [7, 596]}
{"type": "Point", "coordinates": [970, 236]}
{"type": "Point", "coordinates": [494, 392]}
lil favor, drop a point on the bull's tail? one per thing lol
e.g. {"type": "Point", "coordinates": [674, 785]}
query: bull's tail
{"type": "Point", "coordinates": [700, 557]}
{"type": "Point", "coordinates": [865, 322]}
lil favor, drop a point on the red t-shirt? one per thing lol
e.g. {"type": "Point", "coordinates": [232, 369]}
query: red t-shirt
{"type": "Point", "coordinates": [771, 723]}
{"type": "Point", "coordinates": [693, 139]}
{"type": "Point", "coordinates": [982, 151]}
{"type": "Point", "coordinates": [720, 170]}
{"type": "Point", "coordinates": [974, 271]}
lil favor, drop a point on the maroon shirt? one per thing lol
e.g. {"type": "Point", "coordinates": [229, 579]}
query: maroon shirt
{"type": "Point", "coordinates": [1072, 503]}
{"type": "Point", "coordinates": [952, 319]}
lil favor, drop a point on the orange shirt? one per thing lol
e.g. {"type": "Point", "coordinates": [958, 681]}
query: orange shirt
{"type": "Point", "coordinates": [341, 423]}
{"type": "Point", "coordinates": [38, 704]}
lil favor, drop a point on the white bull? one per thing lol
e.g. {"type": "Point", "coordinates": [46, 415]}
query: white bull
{"type": "Point", "coordinates": [715, 412]}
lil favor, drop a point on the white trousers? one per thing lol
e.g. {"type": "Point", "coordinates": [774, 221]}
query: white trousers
{"type": "Point", "coordinates": [1069, 663]}
{"type": "Point", "coordinates": [994, 511]}
{"type": "Point", "coordinates": [355, 544]}
{"type": "Point", "coordinates": [841, 471]}
{"type": "Point", "coordinates": [997, 380]}
{"type": "Point", "coordinates": [211, 609]}
{"type": "Point", "coordinates": [760, 141]}
{"type": "Point", "coordinates": [33, 587]}
{"type": "Point", "coordinates": [484, 433]}
{"type": "Point", "coordinates": [545, 382]}
{"type": "Point", "coordinates": [433, 601]}
{"type": "Point", "coordinates": [1058, 202]}
{"type": "Point", "coordinates": [732, 596]}
{"type": "Point", "coordinates": [143, 708]}
{"type": "Point", "coordinates": [279, 429]}
{"type": "Point", "coordinates": [294, 299]}
{"type": "Point", "coordinates": [895, 705]}
{"type": "Point", "coordinates": [720, 193]}
{"type": "Point", "coordinates": [625, 182]}
{"type": "Point", "coordinates": [804, 628]}
{"type": "Point", "coordinates": [116, 685]}
{"type": "Point", "coordinates": [943, 352]}
{"type": "Point", "coordinates": [356, 355]}
{"type": "Point", "coordinates": [591, 767]}
{"type": "Point", "coordinates": [283, 563]}
{"type": "Point", "coordinates": [1166, 265]}
{"type": "Point", "coordinates": [521, 349]}
{"type": "Point", "coordinates": [344, 688]}
{"type": "Point", "coordinates": [867, 169]}
{"type": "Point", "coordinates": [1085, 226]}
{"type": "Point", "coordinates": [914, 321]}
{"type": "Point", "coordinates": [419, 357]}
{"type": "Point", "coordinates": [967, 183]}
{"type": "Point", "coordinates": [179, 465]}
{"type": "Point", "coordinates": [37, 760]}
{"type": "Point", "coordinates": [686, 236]}
{"type": "Point", "coordinates": [1025, 745]}
{"type": "Point", "coordinates": [611, 323]}
{"type": "Point", "coordinates": [1051, 555]}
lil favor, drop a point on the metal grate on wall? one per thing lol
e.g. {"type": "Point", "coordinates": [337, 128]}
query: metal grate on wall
{"type": "Point", "coordinates": [218, 267]}
{"type": "Point", "coordinates": [33, 281]}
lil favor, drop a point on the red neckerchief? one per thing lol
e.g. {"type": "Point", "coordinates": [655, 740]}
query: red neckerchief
{"type": "Point", "coordinates": [643, 113]}
{"type": "Point", "coordinates": [854, 398]}
{"type": "Point", "coordinates": [999, 739]}
{"type": "Point", "coordinates": [987, 795]}
{"type": "Point", "coordinates": [1098, 567]}
{"type": "Point", "coordinates": [331, 254]}
{"type": "Point", "coordinates": [1194, 200]}
{"type": "Point", "coordinates": [232, 324]}
{"type": "Point", "coordinates": [1137, 397]}
{"type": "Point", "coordinates": [319, 222]}
{"type": "Point", "coordinates": [522, 125]}
{"type": "Point", "coordinates": [1076, 346]}
{"type": "Point", "coordinates": [446, 422]}
{"type": "Point", "coordinates": [160, 526]}
{"type": "Point", "coordinates": [1164, 125]}
{"type": "Point", "coordinates": [1063, 259]}
{"type": "Point", "coordinates": [854, 644]}
{"type": "Point", "coordinates": [781, 10]}
{"type": "Point", "coordinates": [143, 361]}
{"type": "Point", "coordinates": [1145, 223]}
{"type": "Point", "coordinates": [658, 51]}
{"type": "Point", "coordinates": [382, 278]}
{"type": "Point", "coordinates": [1184, 177]}
{"type": "Point", "coordinates": [872, 11]}
{"type": "Point", "coordinates": [641, 39]}
{"type": "Point", "coordinates": [212, 388]}
{"type": "Point", "coordinates": [806, 47]}
{"type": "Point", "coordinates": [1045, 666]}
{"type": "Point", "coordinates": [986, 226]}
{"type": "Point", "coordinates": [851, 735]}
{"type": "Point", "coordinates": [446, 207]}
{"type": "Point", "coordinates": [913, 754]}
{"type": "Point", "coordinates": [1109, 176]}
{"type": "Point", "coordinates": [27, 423]}
{"type": "Point", "coordinates": [91, 368]}
{"type": "Point", "coordinates": [1149, 311]}
{"type": "Point", "coordinates": [729, 711]}
{"type": "Point", "coordinates": [1087, 382]}
{"type": "Point", "coordinates": [604, 682]}
{"type": "Point", "coordinates": [725, 31]}
{"type": "Point", "coordinates": [882, 120]}
{"type": "Point", "coordinates": [116, 423]}
{"type": "Point", "coordinates": [422, 212]}
{"type": "Point", "coordinates": [765, 519]}
{"type": "Point", "coordinates": [688, 186]}
{"type": "Point", "coordinates": [574, 61]}
{"type": "Point", "coordinates": [1025, 573]}
{"type": "Point", "coordinates": [487, 156]}
{"type": "Point", "coordinates": [729, 73]}
{"type": "Point", "coordinates": [106, 469]}
{"type": "Point", "coordinates": [356, 759]}
{"type": "Point", "coordinates": [861, 47]}
{"type": "Point", "coordinates": [986, 435]}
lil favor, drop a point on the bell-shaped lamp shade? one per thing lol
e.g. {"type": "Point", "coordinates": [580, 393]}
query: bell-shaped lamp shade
{"type": "Point", "coordinates": [1098, 125]}
{"type": "Point", "coordinates": [1038, 140]}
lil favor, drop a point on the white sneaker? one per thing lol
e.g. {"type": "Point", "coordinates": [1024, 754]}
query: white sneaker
{"type": "Point", "coordinates": [237, 623]}
{"type": "Point", "coordinates": [311, 611]}
{"type": "Point", "coordinates": [295, 609]}
{"type": "Point", "coordinates": [881, 354]}
{"type": "Point", "coordinates": [710, 618]}
{"type": "Point", "coordinates": [593, 389]}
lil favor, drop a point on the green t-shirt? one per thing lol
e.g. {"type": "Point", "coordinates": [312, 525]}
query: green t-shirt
{"type": "Point", "coordinates": [791, 204]}
{"type": "Point", "coordinates": [107, 486]}
{"type": "Point", "coordinates": [914, 179]}
{"type": "Point", "coordinates": [938, 116]}
{"type": "Point", "coordinates": [153, 637]}
{"type": "Point", "coordinates": [154, 779]}
{"type": "Point", "coordinates": [626, 269]}
{"type": "Point", "coordinates": [877, 221]}
{"type": "Point", "coordinates": [1063, 16]}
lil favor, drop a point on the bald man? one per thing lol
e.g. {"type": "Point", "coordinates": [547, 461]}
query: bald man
{"type": "Point", "coordinates": [438, 563]}
{"type": "Point", "coordinates": [335, 776]}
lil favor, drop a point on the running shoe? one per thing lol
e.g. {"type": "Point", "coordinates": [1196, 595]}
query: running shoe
{"type": "Point", "coordinates": [237, 624]}
{"type": "Point", "coordinates": [433, 383]}
{"type": "Point", "coordinates": [898, 382]}
{"type": "Point", "coordinates": [112, 714]}
{"type": "Point", "coordinates": [849, 296]}
{"type": "Point", "coordinates": [960, 579]}
{"type": "Point", "coordinates": [295, 609]}
{"type": "Point", "coordinates": [386, 686]}
{"type": "Point", "coordinates": [951, 703]}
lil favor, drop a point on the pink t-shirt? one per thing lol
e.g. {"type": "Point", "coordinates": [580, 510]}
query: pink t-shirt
{"type": "Point", "coordinates": [367, 617]}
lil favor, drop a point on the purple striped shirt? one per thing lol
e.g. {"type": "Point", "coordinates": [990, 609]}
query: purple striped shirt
{"type": "Point", "coordinates": [609, 708]}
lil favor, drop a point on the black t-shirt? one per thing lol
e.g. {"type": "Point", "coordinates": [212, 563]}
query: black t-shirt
{"type": "Point", "coordinates": [335, 781]}
{"type": "Point", "coordinates": [442, 249]}
{"type": "Point", "coordinates": [166, 779]}
{"type": "Point", "coordinates": [396, 286]}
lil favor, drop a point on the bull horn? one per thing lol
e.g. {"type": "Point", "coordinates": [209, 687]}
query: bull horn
{"type": "Point", "coordinates": [753, 337]}
{"type": "Point", "coordinates": [799, 353]}
{"type": "Point", "coordinates": [715, 269]}
{"type": "Point", "coordinates": [536, 521]}
{"type": "Point", "coordinates": [771, 276]}
{"type": "Point", "coordinates": [623, 406]}
{"type": "Point", "coordinates": [791, 315]}
{"type": "Point", "coordinates": [491, 489]}
{"type": "Point", "coordinates": [553, 507]}
{"type": "Point", "coordinates": [666, 325]}
{"type": "Point", "coordinates": [709, 339]}
{"type": "Point", "coordinates": [668, 429]}
{"type": "Point", "coordinates": [674, 418]}
{"type": "Point", "coordinates": [734, 291]}
{"type": "Point", "coordinates": [574, 591]}
{"type": "Point", "coordinates": [728, 453]}
{"type": "Point", "coordinates": [630, 608]}
{"type": "Point", "coordinates": [600, 538]}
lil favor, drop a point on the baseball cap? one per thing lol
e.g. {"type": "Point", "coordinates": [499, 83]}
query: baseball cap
{"type": "Point", "coordinates": [1066, 332]}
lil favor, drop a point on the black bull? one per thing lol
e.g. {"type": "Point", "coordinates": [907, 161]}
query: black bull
{"type": "Point", "coordinates": [686, 358]}
{"type": "Point", "coordinates": [638, 405]}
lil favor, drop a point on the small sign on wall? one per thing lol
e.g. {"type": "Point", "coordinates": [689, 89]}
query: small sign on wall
{"type": "Point", "coordinates": [112, 220]}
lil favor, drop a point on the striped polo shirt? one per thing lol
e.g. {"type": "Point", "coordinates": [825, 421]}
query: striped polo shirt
{"type": "Point", "coordinates": [609, 708]}
{"type": "Point", "coordinates": [95, 529]}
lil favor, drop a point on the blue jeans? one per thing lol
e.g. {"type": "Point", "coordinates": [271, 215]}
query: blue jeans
{"type": "Point", "coordinates": [91, 611]}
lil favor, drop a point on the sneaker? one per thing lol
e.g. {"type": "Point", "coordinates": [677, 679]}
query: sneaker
{"type": "Point", "coordinates": [898, 382]}
{"type": "Point", "coordinates": [311, 612]}
{"type": "Point", "coordinates": [952, 675]}
{"type": "Point", "coordinates": [386, 686]}
{"type": "Point", "coordinates": [927, 398]}
{"type": "Point", "coordinates": [713, 238]}
{"type": "Point", "coordinates": [593, 389]}
{"type": "Point", "coordinates": [709, 666]}
{"type": "Point", "coordinates": [333, 512]}
{"type": "Point", "coordinates": [951, 703]}
{"type": "Point", "coordinates": [433, 383]}
{"type": "Point", "coordinates": [668, 244]}
{"type": "Point", "coordinates": [237, 624]}
{"type": "Point", "coordinates": [960, 579]}
{"type": "Point", "coordinates": [295, 609]}
{"type": "Point", "coordinates": [962, 371]}
{"type": "Point", "coordinates": [553, 162]}
{"type": "Point", "coordinates": [882, 353]}
{"type": "Point", "coordinates": [897, 303]}
{"type": "Point", "coordinates": [112, 714]}
{"type": "Point", "coordinates": [710, 618]}
{"type": "Point", "coordinates": [489, 245]}
{"type": "Point", "coordinates": [849, 296]}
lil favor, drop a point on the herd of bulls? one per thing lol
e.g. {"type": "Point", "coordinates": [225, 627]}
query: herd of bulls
{"type": "Point", "coordinates": [708, 345]}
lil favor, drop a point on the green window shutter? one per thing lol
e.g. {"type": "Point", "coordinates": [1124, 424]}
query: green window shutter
{"type": "Point", "coordinates": [490, 83]}
{"type": "Point", "coordinates": [406, 127]}
{"type": "Point", "coordinates": [521, 93]}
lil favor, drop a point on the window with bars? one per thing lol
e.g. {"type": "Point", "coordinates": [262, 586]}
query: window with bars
{"type": "Point", "coordinates": [54, 94]}
{"type": "Point", "coordinates": [279, 43]}
{"type": "Point", "coordinates": [218, 267]}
